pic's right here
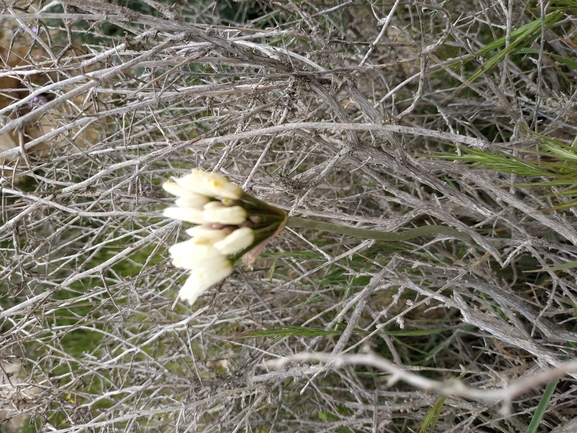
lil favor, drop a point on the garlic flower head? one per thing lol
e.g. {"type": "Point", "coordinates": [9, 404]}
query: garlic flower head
{"type": "Point", "coordinates": [230, 224]}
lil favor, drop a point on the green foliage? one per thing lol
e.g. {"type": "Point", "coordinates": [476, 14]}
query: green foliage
{"type": "Point", "coordinates": [496, 51]}
{"type": "Point", "coordinates": [291, 331]}
{"type": "Point", "coordinates": [430, 421]}
{"type": "Point", "coordinates": [542, 407]}
{"type": "Point", "coordinates": [551, 165]}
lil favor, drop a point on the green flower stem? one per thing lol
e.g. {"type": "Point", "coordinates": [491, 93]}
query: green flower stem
{"type": "Point", "coordinates": [295, 222]}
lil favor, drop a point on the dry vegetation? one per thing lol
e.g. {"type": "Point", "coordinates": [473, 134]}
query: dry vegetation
{"type": "Point", "coordinates": [339, 111]}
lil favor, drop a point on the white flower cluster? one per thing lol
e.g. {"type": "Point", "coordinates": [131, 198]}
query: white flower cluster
{"type": "Point", "coordinates": [213, 202]}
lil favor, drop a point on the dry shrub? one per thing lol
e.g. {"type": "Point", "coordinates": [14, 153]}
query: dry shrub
{"type": "Point", "coordinates": [328, 111]}
{"type": "Point", "coordinates": [34, 92]}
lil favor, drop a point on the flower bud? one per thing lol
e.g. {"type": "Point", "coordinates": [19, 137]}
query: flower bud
{"type": "Point", "coordinates": [204, 236]}
{"type": "Point", "coordinates": [177, 190]}
{"type": "Point", "coordinates": [237, 241]}
{"type": "Point", "coordinates": [210, 184]}
{"type": "Point", "coordinates": [201, 279]}
{"type": "Point", "coordinates": [196, 202]}
{"type": "Point", "coordinates": [190, 215]}
{"type": "Point", "coordinates": [216, 212]}
{"type": "Point", "coordinates": [191, 255]}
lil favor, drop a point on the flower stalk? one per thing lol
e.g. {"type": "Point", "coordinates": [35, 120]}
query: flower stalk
{"type": "Point", "coordinates": [297, 222]}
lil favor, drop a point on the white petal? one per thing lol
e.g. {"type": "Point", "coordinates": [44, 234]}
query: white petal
{"type": "Point", "coordinates": [193, 202]}
{"type": "Point", "coordinates": [236, 241]}
{"type": "Point", "coordinates": [191, 255]}
{"type": "Point", "coordinates": [185, 214]}
{"type": "Point", "coordinates": [186, 248]}
{"type": "Point", "coordinates": [201, 279]}
{"type": "Point", "coordinates": [209, 238]}
{"type": "Point", "coordinates": [210, 184]}
{"type": "Point", "coordinates": [216, 212]}
{"type": "Point", "coordinates": [193, 231]}
{"type": "Point", "coordinates": [206, 236]}
{"type": "Point", "coordinates": [177, 190]}
{"type": "Point", "coordinates": [193, 263]}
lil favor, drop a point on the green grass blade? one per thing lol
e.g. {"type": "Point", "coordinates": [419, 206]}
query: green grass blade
{"type": "Point", "coordinates": [519, 39]}
{"type": "Point", "coordinates": [430, 420]}
{"type": "Point", "coordinates": [568, 265]}
{"type": "Point", "coordinates": [292, 331]}
{"type": "Point", "coordinates": [542, 407]}
{"type": "Point", "coordinates": [569, 62]}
